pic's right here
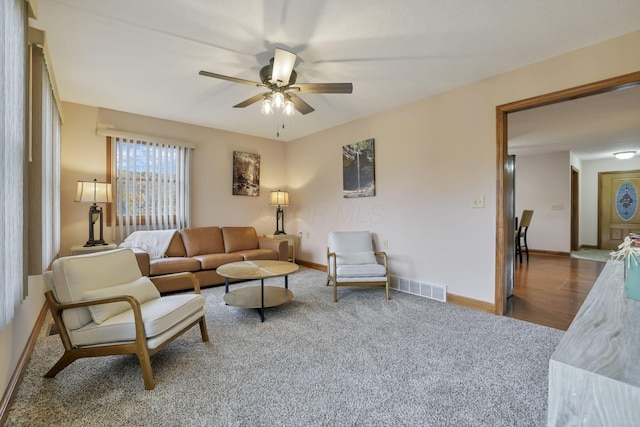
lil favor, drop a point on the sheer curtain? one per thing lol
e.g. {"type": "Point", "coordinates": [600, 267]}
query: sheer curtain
{"type": "Point", "coordinates": [152, 185]}
{"type": "Point", "coordinates": [13, 50]}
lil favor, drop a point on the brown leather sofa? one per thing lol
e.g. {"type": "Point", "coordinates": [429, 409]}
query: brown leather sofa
{"type": "Point", "coordinates": [201, 250]}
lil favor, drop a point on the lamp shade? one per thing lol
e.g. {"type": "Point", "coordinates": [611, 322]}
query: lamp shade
{"type": "Point", "coordinates": [279, 198]}
{"type": "Point", "coordinates": [93, 192]}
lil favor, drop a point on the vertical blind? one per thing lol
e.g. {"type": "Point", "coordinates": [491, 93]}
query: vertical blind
{"type": "Point", "coordinates": [49, 144]}
{"type": "Point", "coordinates": [13, 48]}
{"type": "Point", "coordinates": [152, 186]}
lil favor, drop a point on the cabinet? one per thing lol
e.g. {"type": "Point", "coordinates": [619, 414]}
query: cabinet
{"type": "Point", "coordinates": [291, 241]}
{"type": "Point", "coordinates": [83, 250]}
{"type": "Point", "coordinates": [594, 377]}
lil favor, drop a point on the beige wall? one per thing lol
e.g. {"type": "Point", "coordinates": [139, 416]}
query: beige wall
{"type": "Point", "coordinates": [84, 158]}
{"type": "Point", "coordinates": [432, 158]}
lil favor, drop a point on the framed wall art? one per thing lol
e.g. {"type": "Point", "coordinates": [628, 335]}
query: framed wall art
{"type": "Point", "coordinates": [246, 174]}
{"type": "Point", "coordinates": [358, 169]}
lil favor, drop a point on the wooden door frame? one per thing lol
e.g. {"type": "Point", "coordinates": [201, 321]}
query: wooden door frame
{"type": "Point", "coordinates": [607, 85]}
{"type": "Point", "coordinates": [575, 209]}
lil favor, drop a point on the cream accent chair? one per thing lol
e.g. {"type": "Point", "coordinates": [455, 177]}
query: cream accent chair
{"type": "Point", "coordinates": [102, 305]}
{"type": "Point", "coordinates": [351, 261]}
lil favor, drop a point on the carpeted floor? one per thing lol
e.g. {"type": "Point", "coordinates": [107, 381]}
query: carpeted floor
{"type": "Point", "coordinates": [364, 361]}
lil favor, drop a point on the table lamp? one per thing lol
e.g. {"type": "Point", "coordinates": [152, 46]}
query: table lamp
{"type": "Point", "coordinates": [94, 192]}
{"type": "Point", "coordinates": [279, 199]}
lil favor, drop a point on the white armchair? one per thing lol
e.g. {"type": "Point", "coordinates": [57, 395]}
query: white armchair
{"type": "Point", "coordinates": [351, 261]}
{"type": "Point", "coordinates": [102, 305]}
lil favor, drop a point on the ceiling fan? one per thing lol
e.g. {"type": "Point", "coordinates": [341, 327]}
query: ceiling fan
{"type": "Point", "coordinates": [279, 78]}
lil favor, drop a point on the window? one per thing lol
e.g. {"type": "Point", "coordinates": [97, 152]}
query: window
{"type": "Point", "coordinates": [151, 185]}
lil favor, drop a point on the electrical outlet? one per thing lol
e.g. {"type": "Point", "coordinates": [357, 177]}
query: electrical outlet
{"type": "Point", "coordinates": [386, 244]}
{"type": "Point", "coordinates": [308, 235]}
{"type": "Point", "coordinates": [478, 202]}
{"type": "Point", "coordinates": [557, 207]}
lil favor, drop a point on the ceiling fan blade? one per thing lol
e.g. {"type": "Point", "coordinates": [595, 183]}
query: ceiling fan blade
{"type": "Point", "coordinates": [300, 105]}
{"type": "Point", "coordinates": [283, 63]}
{"type": "Point", "coordinates": [231, 79]}
{"type": "Point", "coordinates": [323, 87]}
{"type": "Point", "coordinates": [251, 100]}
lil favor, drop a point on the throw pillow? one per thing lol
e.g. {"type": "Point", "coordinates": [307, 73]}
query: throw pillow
{"type": "Point", "coordinates": [366, 257]}
{"type": "Point", "coordinates": [141, 289]}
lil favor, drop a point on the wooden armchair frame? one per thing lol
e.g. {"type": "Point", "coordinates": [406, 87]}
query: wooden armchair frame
{"type": "Point", "coordinates": [139, 347]}
{"type": "Point", "coordinates": [331, 266]}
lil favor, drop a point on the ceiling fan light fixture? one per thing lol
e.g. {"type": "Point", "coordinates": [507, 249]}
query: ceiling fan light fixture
{"type": "Point", "coordinates": [289, 109]}
{"type": "Point", "coordinates": [623, 155]}
{"type": "Point", "coordinates": [267, 108]}
{"type": "Point", "coordinates": [278, 100]}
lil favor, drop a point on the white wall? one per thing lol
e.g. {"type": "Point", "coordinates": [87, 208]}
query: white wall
{"type": "Point", "coordinates": [13, 338]}
{"type": "Point", "coordinates": [543, 181]}
{"type": "Point", "coordinates": [433, 157]}
{"type": "Point", "coordinates": [589, 193]}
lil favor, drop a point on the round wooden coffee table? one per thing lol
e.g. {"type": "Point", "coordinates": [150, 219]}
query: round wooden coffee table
{"type": "Point", "coordinates": [257, 296]}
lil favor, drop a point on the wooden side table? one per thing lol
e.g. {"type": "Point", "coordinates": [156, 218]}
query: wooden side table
{"type": "Point", "coordinates": [83, 250]}
{"type": "Point", "coordinates": [291, 241]}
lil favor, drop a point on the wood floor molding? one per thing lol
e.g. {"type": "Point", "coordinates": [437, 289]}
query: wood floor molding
{"type": "Point", "coordinates": [18, 373]}
{"type": "Point", "coordinates": [549, 253]}
{"type": "Point", "coordinates": [471, 303]}
{"type": "Point", "coordinates": [313, 265]}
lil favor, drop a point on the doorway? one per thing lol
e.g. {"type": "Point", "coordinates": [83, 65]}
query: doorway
{"type": "Point", "coordinates": [503, 218]}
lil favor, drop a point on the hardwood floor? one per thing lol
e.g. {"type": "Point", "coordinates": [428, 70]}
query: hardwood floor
{"type": "Point", "coordinates": [549, 290]}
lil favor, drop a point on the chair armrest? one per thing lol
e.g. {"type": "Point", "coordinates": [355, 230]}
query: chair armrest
{"type": "Point", "coordinates": [277, 245]}
{"type": "Point", "coordinates": [169, 277]}
{"type": "Point", "coordinates": [56, 309]}
{"type": "Point", "coordinates": [331, 262]}
{"type": "Point", "coordinates": [384, 257]}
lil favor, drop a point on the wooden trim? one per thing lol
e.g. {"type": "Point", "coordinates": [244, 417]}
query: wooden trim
{"type": "Point", "coordinates": [471, 303]}
{"type": "Point", "coordinates": [502, 111]}
{"type": "Point", "coordinates": [589, 247]}
{"type": "Point", "coordinates": [313, 265]}
{"type": "Point", "coordinates": [548, 253]}
{"type": "Point", "coordinates": [18, 373]}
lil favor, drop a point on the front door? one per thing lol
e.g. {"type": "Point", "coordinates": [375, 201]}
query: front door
{"type": "Point", "coordinates": [617, 207]}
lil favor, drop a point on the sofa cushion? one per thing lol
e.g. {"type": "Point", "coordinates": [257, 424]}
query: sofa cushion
{"type": "Point", "coordinates": [258, 254]}
{"type": "Point", "coordinates": [161, 266]}
{"type": "Point", "coordinates": [202, 240]}
{"type": "Point", "coordinates": [142, 290]}
{"type": "Point", "coordinates": [176, 247]}
{"type": "Point", "coordinates": [158, 315]}
{"type": "Point", "coordinates": [239, 238]}
{"type": "Point", "coordinates": [212, 261]}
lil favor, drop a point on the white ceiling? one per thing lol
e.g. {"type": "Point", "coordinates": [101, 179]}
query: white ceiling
{"type": "Point", "coordinates": [144, 56]}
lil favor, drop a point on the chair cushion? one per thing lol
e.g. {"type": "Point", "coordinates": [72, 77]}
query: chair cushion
{"type": "Point", "coordinates": [350, 241]}
{"type": "Point", "coordinates": [158, 316]}
{"type": "Point", "coordinates": [212, 261]}
{"type": "Point", "coordinates": [74, 275]}
{"type": "Point", "coordinates": [142, 290]}
{"type": "Point", "coordinates": [361, 270]}
{"type": "Point", "coordinates": [354, 258]}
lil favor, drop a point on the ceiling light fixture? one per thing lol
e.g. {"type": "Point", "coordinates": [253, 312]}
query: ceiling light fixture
{"type": "Point", "coordinates": [622, 155]}
{"type": "Point", "coordinates": [276, 101]}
